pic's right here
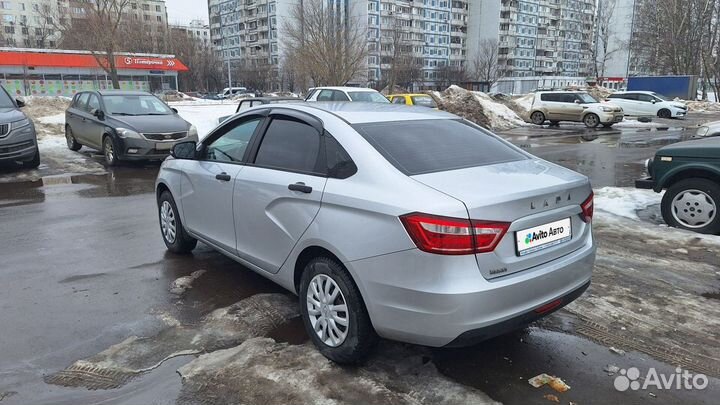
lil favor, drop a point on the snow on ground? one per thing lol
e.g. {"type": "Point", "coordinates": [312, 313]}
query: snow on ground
{"type": "Point", "coordinates": [478, 107]}
{"type": "Point", "coordinates": [57, 119]}
{"type": "Point", "coordinates": [633, 123]}
{"type": "Point", "coordinates": [204, 115]}
{"type": "Point", "coordinates": [624, 201]}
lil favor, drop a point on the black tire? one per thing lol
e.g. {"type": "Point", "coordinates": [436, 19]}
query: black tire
{"type": "Point", "coordinates": [361, 336]}
{"type": "Point", "coordinates": [711, 190]}
{"type": "Point", "coordinates": [608, 125]}
{"type": "Point", "coordinates": [34, 162]}
{"type": "Point", "coordinates": [664, 113]}
{"type": "Point", "coordinates": [110, 151]}
{"type": "Point", "coordinates": [72, 143]}
{"type": "Point", "coordinates": [591, 120]}
{"type": "Point", "coordinates": [182, 243]}
{"type": "Point", "coordinates": [537, 118]}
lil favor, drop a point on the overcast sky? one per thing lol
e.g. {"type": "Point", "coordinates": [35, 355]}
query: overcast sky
{"type": "Point", "coordinates": [183, 11]}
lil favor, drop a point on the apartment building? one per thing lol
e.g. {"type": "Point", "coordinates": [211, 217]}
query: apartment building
{"type": "Point", "coordinates": [33, 23]}
{"type": "Point", "coordinates": [29, 23]}
{"type": "Point", "coordinates": [536, 37]}
{"type": "Point", "coordinates": [196, 29]}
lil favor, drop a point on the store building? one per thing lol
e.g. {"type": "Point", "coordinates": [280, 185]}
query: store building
{"type": "Point", "coordinates": [52, 72]}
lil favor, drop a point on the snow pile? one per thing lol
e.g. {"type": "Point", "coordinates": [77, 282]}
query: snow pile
{"type": "Point", "coordinates": [477, 107]}
{"type": "Point", "coordinates": [598, 92]}
{"type": "Point", "coordinates": [624, 202]}
{"type": "Point", "coordinates": [57, 119]}
{"type": "Point", "coordinates": [204, 115]}
{"type": "Point", "coordinates": [40, 106]}
{"type": "Point", "coordinates": [700, 106]}
{"type": "Point", "coordinates": [633, 123]}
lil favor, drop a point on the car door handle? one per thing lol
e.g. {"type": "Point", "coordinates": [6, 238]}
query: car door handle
{"type": "Point", "coordinates": [223, 176]}
{"type": "Point", "coordinates": [301, 187]}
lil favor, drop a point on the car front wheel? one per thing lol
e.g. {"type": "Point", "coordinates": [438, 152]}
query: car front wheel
{"type": "Point", "coordinates": [110, 152]}
{"type": "Point", "coordinates": [664, 113]}
{"type": "Point", "coordinates": [334, 313]}
{"type": "Point", "coordinates": [591, 120]}
{"type": "Point", "coordinates": [693, 204]}
{"type": "Point", "coordinates": [171, 226]}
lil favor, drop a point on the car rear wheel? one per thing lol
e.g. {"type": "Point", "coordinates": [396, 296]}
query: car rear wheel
{"type": "Point", "coordinates": [537, 118]}
{"type": "Point", "coordinates": [591, 120]}
{"type": "Point", "coordinates": [664, 113]}
{"type": "Point", "coordinates": [171, 226]}
{"type": "Point", "coordinates": [109, 151]}
{"type": "Point", "coordinates": [693, 204]}
{"type": "Point", "coordinates": [334, 313]}
{"type": "Point", "coordinates": [72, 143]}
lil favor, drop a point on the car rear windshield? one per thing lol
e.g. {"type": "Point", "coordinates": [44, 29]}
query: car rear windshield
{"type": "Point", "coordinates": [425, 101]}
{"type": "Point", "coordinates": [429, 146]}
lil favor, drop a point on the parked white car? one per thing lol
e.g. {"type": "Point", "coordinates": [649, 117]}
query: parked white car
{"type": "Point", "coordinates": [345, 94]}
{"type": "Point", "coordinates": [648, 103]}
{"type": "Point", "coordinates": [708, 129]}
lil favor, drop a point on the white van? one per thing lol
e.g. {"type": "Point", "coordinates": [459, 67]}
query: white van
{"type": "Point", "coordinates": [232, 91]}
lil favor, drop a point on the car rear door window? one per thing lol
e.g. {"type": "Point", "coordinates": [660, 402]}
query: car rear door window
{"type": "Point", "coordinates": [646, 98]}
{"type": "Point", "coordinates": [325, 95]}
{"type": "Point", "coordinates": [93, 103]}
{"type": "Point", "coordinates": [399, 100]}
{"type": "Point", "coordinates": [428, 146]}
{"type": "Point", "coordinates": [82, 101]}
{"type": "Point", "coordinates": [339, 96]}
{"type": "Point", "coordinates": [290, 145]}
{"type": "Point", "coordinates": [231, 146]}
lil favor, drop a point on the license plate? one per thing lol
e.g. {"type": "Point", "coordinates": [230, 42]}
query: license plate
{"type": "Point", "coordinates": [542, 237]}
{"type": "Point", "coordinates": [164, 146]}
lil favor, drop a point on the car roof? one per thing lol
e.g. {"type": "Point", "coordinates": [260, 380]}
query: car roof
{"type": "Point", "coordinates": [561, 91]}
{"type": "Point", "coordinates": [409, 94]}
{"type": "Point", "coordinates": [122, 93]}
{"type": "Point", "coordinates": [271, 99]}
{"type": "Point", "coordinates": [365, 113]}
{"type": "Point", "coordinates": [345, 88]}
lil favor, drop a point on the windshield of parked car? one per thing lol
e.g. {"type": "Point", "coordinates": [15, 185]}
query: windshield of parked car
{"type": "Point", "coordinates": [428, 146]}
{"type": "Point", "coordinates": [135, 105]}
{"type": "Point", "coordinates": [368, 96]}
{"type": "Point", "coordinates": [586, 98]}
{"type": "Point", "coordinates": [424, 101]}
{"type": "Point", "coordinates": [5, 100]}
{"type": "Point", "coordinates": [661, 97]}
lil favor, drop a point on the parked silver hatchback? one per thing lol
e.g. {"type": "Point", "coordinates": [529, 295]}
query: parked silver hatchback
{"type": "Point", "coordinates": [392, 221]}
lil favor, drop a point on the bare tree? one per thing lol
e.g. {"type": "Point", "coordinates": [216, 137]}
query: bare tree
{"type": "Point", "coordinates": [99, 30]}
{"type": "Point", "coordinates": [448, 75]}
{"type": "Point", "coordinates": [602, 52]}
{"type": "Point", "coordinates": [485, 67]}
{"type": "Point", "coordinates": [669, 35]}
{"type": "Point", "coordinates": [325, 43]}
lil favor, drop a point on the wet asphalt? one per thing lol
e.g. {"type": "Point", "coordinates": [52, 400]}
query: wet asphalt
{"type": "Point", "coordinates": [84, 266]}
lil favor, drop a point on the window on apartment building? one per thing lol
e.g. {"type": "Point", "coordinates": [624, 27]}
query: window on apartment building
{"type": "Point", "coordinates": [133, 6]}
{"type": "Point", "coordinates": [158, 8]}
{"type": "Point", "coordinates": [5, 5]}
{"type": "Point", "coordinates": [146, 7]}
{"type": "Point", "coordinates": [146, 17]}
{"type": "Point", "coordinates": [159, 18]}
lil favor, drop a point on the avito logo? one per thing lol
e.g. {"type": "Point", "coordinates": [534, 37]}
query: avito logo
{"type": "Point", "coordinates": [540, 235]}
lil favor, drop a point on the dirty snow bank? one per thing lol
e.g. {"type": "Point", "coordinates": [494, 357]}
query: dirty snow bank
{"type": "Point", "coordinates": [261, 371]}
{"type": "Point", "coordinates": [477, 107]}
{"type": "Point", "coordinates": [223, 328]}
{"type": "Point", "coordinates": [624, 201]}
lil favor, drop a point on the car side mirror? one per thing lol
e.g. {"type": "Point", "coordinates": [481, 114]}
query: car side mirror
{"type": "Point", "coordinates": [577, 101]}
{"type": "Point", "coordinates": [184, 150]}
{"type": "Point", "coordinates": [98, 113]}
{"type": "Point", "coordinates": [19, 103]}
{"type": "Point", "coordinates": [653, 101]}
{"type": "Point", "coordinates": [174, 110]}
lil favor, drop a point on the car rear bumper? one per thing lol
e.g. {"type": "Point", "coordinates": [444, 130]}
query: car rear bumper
{"type": "Point", "coordinates": [435, 300]}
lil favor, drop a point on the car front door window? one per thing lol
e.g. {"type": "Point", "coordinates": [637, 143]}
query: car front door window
{"type": "Point", "coordinates": [231, 146]}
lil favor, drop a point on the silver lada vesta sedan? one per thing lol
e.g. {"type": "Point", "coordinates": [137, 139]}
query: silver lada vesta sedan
{"type": "Point", "coordinates": [400, 222]}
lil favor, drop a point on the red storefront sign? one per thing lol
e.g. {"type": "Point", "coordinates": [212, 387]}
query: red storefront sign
{"type": "Point", "coordinates": [70, 60]}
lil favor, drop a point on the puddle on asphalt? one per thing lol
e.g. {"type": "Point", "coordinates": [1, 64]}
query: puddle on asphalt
{"type": "Point", "coordinates": [712, 295]}
{"type": "Point", "coordinates": [118, 182]}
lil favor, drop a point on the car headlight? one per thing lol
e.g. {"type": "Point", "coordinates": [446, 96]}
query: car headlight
{"type": "Point", "coordinates": [127, 133]}
{"type": "Point", "coordinates": [20, 124]}
{"type": "Point", "coordinates": [606, 109]}
{"type": "Point", "coordinates": [702, 131]}
{"type": "Point", "coordinates": [192, 131]}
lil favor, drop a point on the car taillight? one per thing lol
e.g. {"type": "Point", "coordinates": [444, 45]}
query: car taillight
{"type": "Point", "coordinates": [588, 208]}
{"type": "Point", "coordinates": [453, 236]}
